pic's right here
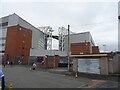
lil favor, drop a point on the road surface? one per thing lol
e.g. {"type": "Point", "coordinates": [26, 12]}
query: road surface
{"type": "Point", "coordinates": [22, 77]}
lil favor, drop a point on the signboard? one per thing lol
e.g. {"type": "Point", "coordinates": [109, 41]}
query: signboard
{"type": "Point", "coordinates": [39, 59]}
{"type": "Point", "coordinates": [89, 66]}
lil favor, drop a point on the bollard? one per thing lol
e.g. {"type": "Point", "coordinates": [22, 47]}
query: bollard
{"type": "Point", "coordinates": [10, 88]}
{"type": "Point", "coordinates": [76, 75]}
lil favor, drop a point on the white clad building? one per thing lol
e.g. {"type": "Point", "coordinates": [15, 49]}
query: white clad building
{"type": "Point", "coordinates": [38, 41]}
{"type": "Point", "coordinates": [78, 38]}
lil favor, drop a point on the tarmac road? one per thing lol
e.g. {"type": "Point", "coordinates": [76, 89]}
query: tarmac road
{"type": "Point", "coordinates": [22, 77]}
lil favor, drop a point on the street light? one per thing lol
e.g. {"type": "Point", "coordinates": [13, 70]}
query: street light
{"type": "Point", "coordinates": [68, 47]}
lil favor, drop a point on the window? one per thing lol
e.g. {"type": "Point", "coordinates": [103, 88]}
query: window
{"type": "Point", "coordinates": [22, 55]}
{"type": "Point", "coordinates": [3, 51]}
{"type": "Point", "coordinates": [20, 29]}
{"type": "Point", "coordinates": [3, 44]}
{"type": "Point", "coordinates": [23, 41]}
{"type": "Point", "coordinates": [24, 35]}
{"type": "Point", "coordinates": [3, 24]}
{"type": "Point", "coordinates": [3, 38]}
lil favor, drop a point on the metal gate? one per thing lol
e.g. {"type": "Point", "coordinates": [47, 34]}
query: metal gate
{"type": "Point", "coordinates": [89, 66]}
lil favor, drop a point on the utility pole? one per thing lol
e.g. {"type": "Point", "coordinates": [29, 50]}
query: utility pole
{"type": "Point", "coordinates": [68, 47]}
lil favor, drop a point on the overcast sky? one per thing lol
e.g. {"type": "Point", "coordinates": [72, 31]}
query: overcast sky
{"type": "Point", "coordinates": [100, 18]}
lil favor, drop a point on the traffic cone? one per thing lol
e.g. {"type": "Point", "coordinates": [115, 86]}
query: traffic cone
{"type": "Point", "coordinates": [10, 88]}
{"type": "Point", "coordinates": [76, 75]}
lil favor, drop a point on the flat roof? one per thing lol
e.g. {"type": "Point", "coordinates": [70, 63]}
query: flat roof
{"type": "Point", "coordinates": [90, 55]}
{"type": "Point", "coordinates": [79, 33]}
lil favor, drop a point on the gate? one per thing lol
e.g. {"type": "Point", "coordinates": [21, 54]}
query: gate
{"type": "Point", "coordinates": [89, 66]}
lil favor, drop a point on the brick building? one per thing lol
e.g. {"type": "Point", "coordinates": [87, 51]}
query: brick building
{"type": "Point", "coordinates": [18, 44]}
{"type": "Point", "coordinates": [17, 36]}
{"type": "Point", "coordinates": [83, 48]}
{"type": "Point", "coordinates": [19, 39]}
{"type": "Point", "coordinates": [80, 43]}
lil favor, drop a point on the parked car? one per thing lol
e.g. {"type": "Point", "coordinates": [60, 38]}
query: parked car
{"type": "Point", "coordinates": [63, 64]}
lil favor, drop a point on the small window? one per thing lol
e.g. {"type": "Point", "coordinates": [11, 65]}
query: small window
{"type": "Point", "coordinates": [3, 24]}
{"type": "Point", "coordinates": [23, 41]}
{"type": "Point", "coordinates": [24, 35]}
{"type": "Point", "coordinates": [23, 48]}
{"type": "Point", "coordinates": [20, 29]}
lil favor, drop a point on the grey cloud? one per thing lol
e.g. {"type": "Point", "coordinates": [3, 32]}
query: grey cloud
{"type": "Point", "coordinates": [78, 15]}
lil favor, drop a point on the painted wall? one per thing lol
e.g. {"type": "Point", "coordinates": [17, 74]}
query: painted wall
{"type": "Point", "coordinates": [116, 62]}
{"type": "Point", "coordinates": [92, 65]}
{"type": "Point", "coordinates": [38, 52]}
{"type": "Point", "coordinates": [104, 66]}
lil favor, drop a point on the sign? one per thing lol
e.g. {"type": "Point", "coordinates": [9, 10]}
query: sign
{"type": "Point", "coordinates": [39, 59]}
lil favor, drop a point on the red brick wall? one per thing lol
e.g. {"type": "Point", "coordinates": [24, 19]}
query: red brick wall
{"type": "Point", "coordinates": [95, 49]}
{"type": "Point", "coordinates": [18, 43]}
{"type": "Point", "coordinates": [84, 47]}
{"type": "Point", "coordinates": [55, 59]}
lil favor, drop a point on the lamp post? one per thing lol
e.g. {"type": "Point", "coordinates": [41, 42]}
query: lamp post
{"type": "Point", "coordinates": [68, 47]}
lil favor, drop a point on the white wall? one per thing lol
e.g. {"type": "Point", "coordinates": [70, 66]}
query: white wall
{"type": "Point", "coordinates": [37, 35]}
{"type": "Point", "coordinates": [13, 20]}
{"type": "Point", "coordinates": [4, 19]}
{"type": "Point", "coordinates": [38, 52]}
{"type": "Point", "coordinates": [77, 38]}
{"type": "Point", "coordinates": [3, 32]}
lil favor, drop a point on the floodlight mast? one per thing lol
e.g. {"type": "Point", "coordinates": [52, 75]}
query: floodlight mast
{"type": "Point", "coordinates": [47, 30]}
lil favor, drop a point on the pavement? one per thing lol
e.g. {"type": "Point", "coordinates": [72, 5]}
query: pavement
{"type": "Point", "coordinates": [23, 77]}
{"type": "Point", "coordinates": [100, 84]}
{"type": "Point", "coordinates": [97, 81]}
